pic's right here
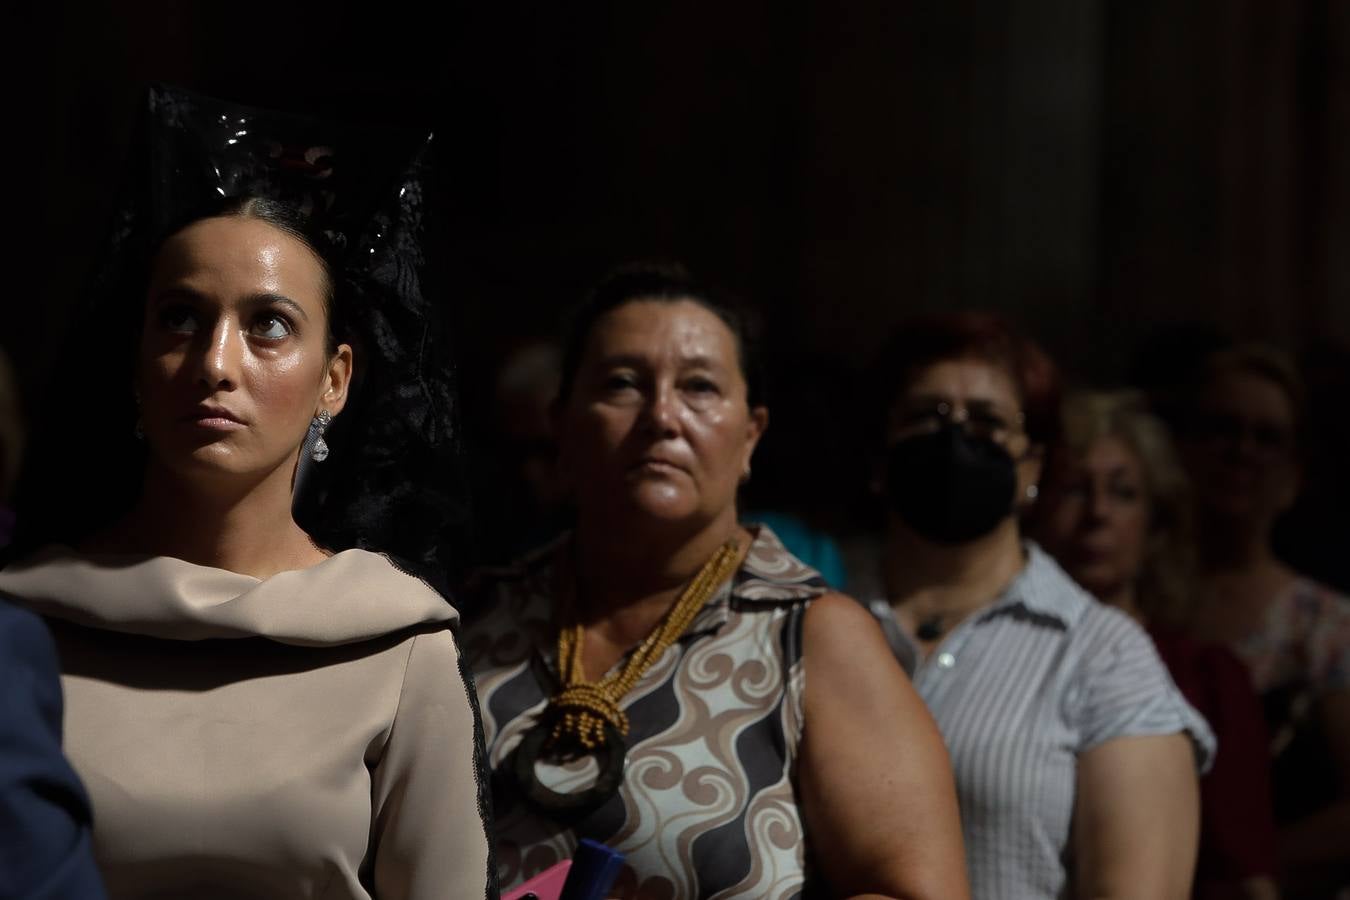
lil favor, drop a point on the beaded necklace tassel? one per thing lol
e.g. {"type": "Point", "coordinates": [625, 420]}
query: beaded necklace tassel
{"type": "Point", "coordinates": [582, 709]}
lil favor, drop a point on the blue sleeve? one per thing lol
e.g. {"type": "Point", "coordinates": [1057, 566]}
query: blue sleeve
{"type": "Point", "coordinates": [45, 844]}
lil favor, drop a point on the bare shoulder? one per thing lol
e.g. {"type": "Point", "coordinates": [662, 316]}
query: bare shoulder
{"type": "Point", "coordinates": [841, 633]}
{"type": "Point", "coordinates": [835, 615]}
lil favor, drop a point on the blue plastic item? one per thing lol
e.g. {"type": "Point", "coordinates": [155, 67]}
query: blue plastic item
{"type": "Point", "coordinates": [594, 870]}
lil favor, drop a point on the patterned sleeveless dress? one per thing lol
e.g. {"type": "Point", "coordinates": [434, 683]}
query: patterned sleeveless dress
{"type": "Point", "coordinates": [708, 803]}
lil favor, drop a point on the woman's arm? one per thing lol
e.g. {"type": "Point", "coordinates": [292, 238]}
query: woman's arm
{"type": "Point", "coordinates": [431, 809]}
{"type": "Point", "coordinates": [877, 794]}
{"type": "Point", "coordinates": [1136, 819]}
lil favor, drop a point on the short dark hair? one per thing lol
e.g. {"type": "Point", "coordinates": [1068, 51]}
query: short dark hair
{"type": "Point", "coordinates": [282, 216]}
{"type": "Point", "coordinates": [665, 283]}
{"type": "Point", "coordinates": [942, 337]}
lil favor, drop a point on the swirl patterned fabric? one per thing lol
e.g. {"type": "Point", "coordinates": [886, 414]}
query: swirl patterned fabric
{"type": "Point", "coordinates": [708, 803]}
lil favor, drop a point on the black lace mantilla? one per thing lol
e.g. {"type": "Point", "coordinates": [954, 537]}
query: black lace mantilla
{"type": "Point", "coordinates": [394, 480]}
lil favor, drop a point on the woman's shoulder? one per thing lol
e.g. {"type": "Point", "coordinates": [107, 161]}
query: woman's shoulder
{"type": "Point", "coordinates": [771, 573]}
{"type": "Point", "coordinates": [1312, 600]}
{"type": "Point", "coordinates": [1317, 618]}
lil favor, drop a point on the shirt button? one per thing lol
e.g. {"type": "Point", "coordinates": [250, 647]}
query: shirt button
{"type": "Point", "coordinates": [946, 660]}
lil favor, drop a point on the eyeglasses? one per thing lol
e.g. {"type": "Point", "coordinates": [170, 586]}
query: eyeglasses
{"type": "Point", "coordinates": [978, 418]}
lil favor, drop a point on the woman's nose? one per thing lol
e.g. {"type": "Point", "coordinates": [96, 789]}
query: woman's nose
{"type": "Point", "coordinates": [219, 356]}
{"type": "Point", "coordinates": [661, 413]}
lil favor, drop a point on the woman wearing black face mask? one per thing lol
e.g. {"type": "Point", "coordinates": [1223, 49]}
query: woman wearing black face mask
{"type": "Point", "coordinates": [1075, 755]}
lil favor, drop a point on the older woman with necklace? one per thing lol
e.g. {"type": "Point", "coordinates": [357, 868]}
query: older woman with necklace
{"type": "Point", "coordinates": [678, 686]}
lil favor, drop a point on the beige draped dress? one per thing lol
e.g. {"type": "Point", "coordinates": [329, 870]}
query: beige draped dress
{"type": "Point", "coordinates": [307, 735]}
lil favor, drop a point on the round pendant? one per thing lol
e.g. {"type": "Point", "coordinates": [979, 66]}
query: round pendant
{"type": "Point", "coordinates": [573, 805]}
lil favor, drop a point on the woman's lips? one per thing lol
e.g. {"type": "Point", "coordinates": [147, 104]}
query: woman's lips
{"type": "Point", "coordinates": [217, 423]}
{"type": "Point", "coordinates": [657, 467]}
{"type": "Point", "coordinates": [214, 418]}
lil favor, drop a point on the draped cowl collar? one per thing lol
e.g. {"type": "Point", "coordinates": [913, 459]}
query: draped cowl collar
{"type": "Point", "coordinates": [350, 597]}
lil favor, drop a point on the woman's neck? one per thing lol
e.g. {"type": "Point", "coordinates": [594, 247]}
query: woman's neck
{"type": "Point", "coordinates": [945, 581]}
{"type": "Point", "coordinates": [1228, 546]}
{"type": "Point", "coordinates": [1126, 599]}
{"type": "Point", "coordinates": [626, 578]}
{"type": "Point", "coordinates": [242, 526]}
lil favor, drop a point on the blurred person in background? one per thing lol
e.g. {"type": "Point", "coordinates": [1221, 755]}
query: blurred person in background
{"type": "Point", "coordinates": [1241, 439]}
{"type": "Point", "coordinates": [523, 503]}
{"type": "Point", "coordinates": [1075, 754]}
{"type": "Point", "coordinates": [1311, 538]}
{"type": "Point", "coordinates": [807, 463]}
{"type": "Point", "coordinates": [1115, 511]}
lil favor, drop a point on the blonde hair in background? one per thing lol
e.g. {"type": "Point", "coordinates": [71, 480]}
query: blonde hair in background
{"type": "Point", "coordinates": [11, 429]}
{"type": "Point", "coordinates": [1165, 589]}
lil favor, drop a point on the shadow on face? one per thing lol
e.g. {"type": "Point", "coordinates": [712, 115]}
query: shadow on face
{"type": "Point", "coordinates": [1094, 516]}
{"type": "Point", "coordinates": [657, 427]}
{"type": "Point", "coordinates": [1239, 449]}
{"type": "Point", "coordinates": [234, 357]}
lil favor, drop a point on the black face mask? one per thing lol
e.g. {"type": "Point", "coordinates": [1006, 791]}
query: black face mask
{"type": "Point", "coordinates": [949, 487]}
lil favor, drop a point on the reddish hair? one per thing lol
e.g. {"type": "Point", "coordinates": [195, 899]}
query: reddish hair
{"type": "Point", "coordinates": [927, 340]}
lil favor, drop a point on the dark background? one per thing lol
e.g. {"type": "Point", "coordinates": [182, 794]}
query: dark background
{"type": "Point", "coordinates": [1096, 169]}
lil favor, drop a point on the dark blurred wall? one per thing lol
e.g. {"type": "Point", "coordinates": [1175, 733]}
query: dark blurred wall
{"type": "Point", "coordinates": [1098, 169]}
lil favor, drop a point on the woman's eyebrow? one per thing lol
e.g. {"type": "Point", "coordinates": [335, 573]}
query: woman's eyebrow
{"type": "Point", "coordinates": [701, 361]}
{"type": "Point", "coordinates": [631, 360]}
{"type": "Point", "coordinates": [268, 298]}
{"type": "Point", "coordinates": [253, 301]}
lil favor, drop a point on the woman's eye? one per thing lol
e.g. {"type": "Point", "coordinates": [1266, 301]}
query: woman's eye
{"type": "Point", "coordinates": [179, 319]}
{"type": "Point", "coordinates": [701, 386]}
{"type": "Point", "coordinates": [619, 382]}
{"type": "Point", "coordinates": [1127, 492]}
{"type": "Point", "coordinates": [272, 327]}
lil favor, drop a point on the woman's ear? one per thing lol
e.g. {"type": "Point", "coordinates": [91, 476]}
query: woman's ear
{"type": "Point", "coordinates": [755, 427]}
{"type": "Point", "coordinates": [337, 380]}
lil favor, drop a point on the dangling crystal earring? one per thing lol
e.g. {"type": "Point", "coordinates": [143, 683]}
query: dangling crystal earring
{"type": "Point", "coordinates": [319, 452]}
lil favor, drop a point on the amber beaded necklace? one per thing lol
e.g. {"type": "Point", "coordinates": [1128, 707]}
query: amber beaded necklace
{"type": "Point", "coordinates": [584, 717]}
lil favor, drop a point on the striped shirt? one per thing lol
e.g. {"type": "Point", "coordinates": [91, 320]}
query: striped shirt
{"type": "Point", "coordinates": [1019, 690]}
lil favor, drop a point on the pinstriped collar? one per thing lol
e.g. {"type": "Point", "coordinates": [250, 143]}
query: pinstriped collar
{"type": "Point", "coordinates": [1043, 593]}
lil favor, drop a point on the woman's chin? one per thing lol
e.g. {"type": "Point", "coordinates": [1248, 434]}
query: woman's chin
{"type": "Point", "coordinates": [217, 459]}
{"type": "Point", "coordinates": [662, 504]}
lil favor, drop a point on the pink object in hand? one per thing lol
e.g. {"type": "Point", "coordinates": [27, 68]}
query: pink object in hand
{"type": "Point", "coordinates": [547, 885]}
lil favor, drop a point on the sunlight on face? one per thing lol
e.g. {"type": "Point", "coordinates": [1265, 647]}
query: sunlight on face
{"type": "Point", "coordinates": [234, 358]}
{"type": "Point", "coordinates": [657, 422]}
